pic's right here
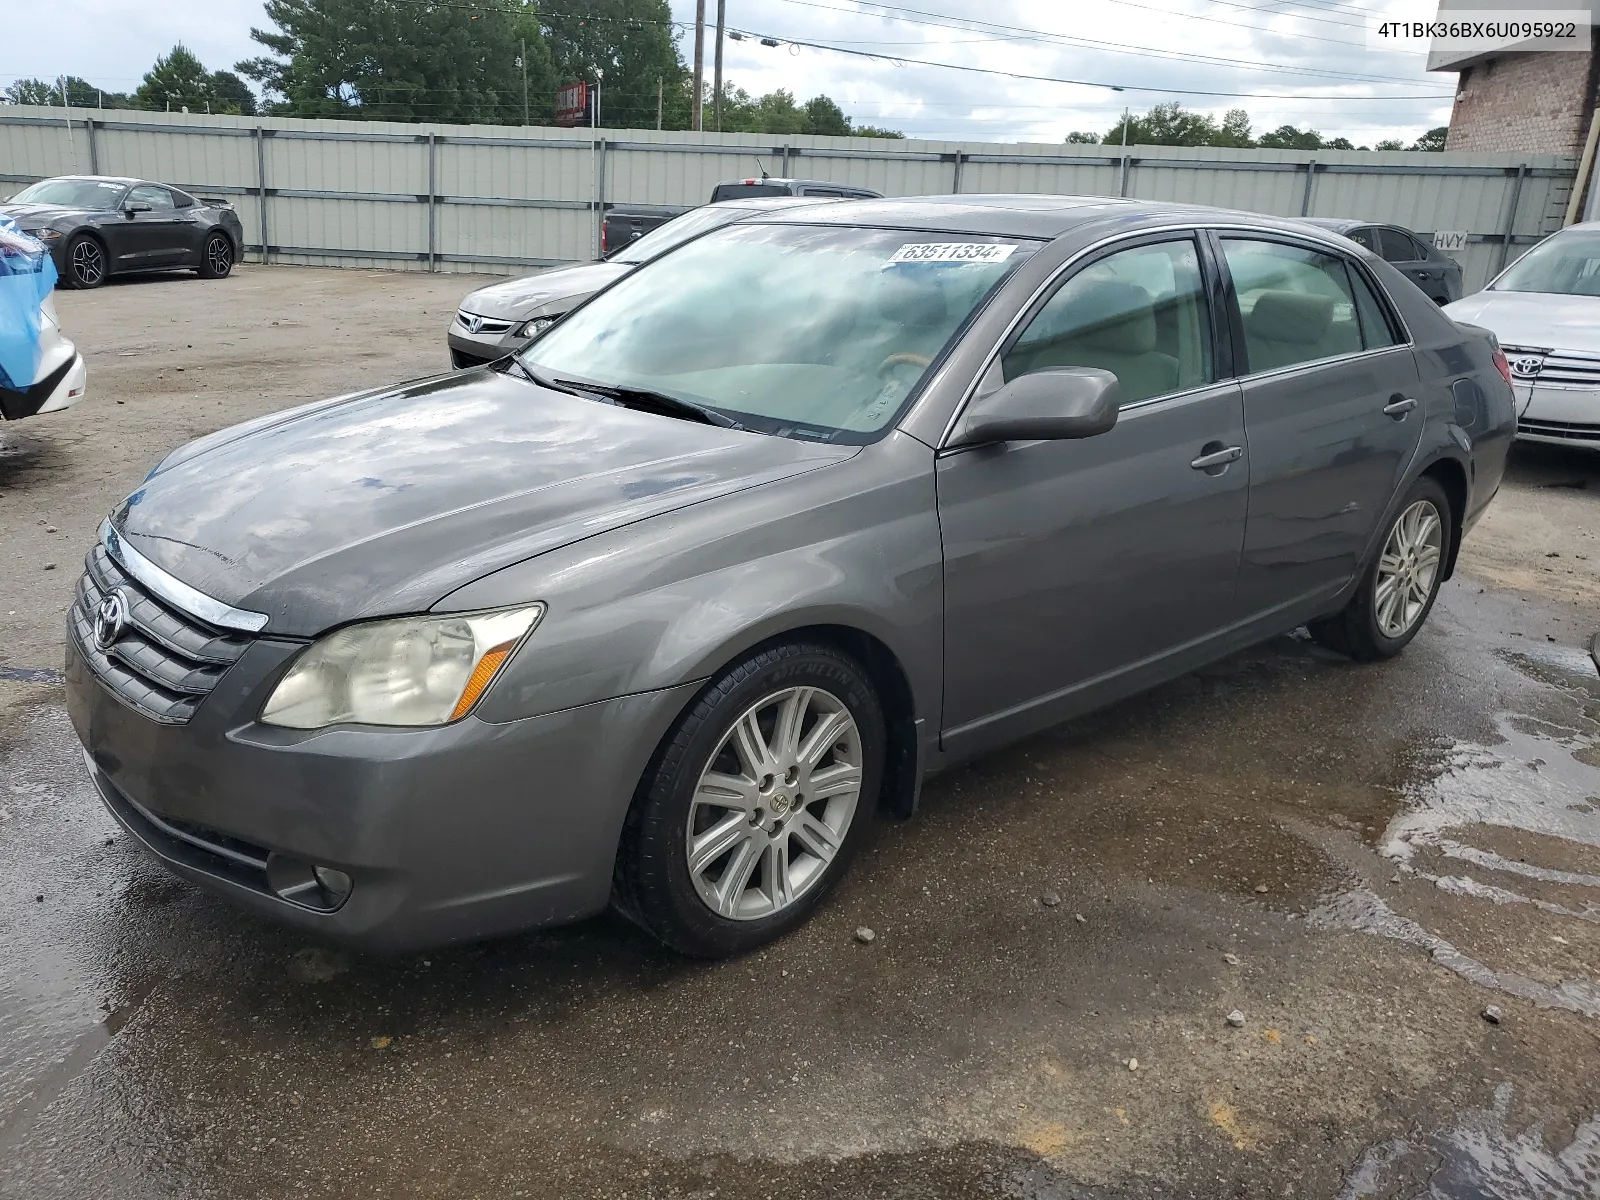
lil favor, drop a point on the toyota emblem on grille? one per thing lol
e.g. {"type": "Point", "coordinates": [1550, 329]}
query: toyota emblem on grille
{"type": "Point", "coordinates": [1526, 366]}
{"type": "Point", "coordinates": [110, 619]}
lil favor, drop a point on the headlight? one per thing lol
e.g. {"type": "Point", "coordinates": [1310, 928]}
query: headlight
{"type": "Point", "coordinates": [413, 671]}
{"type": "Point", "coordinates": [43, 235]}
{"type": "Point", "coordinates": [536, 326]}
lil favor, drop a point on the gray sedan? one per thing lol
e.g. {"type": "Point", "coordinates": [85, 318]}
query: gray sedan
{"type": "Point", "coordinates": [502, 318]}
{"type": "Point", "coordinates": [660, 613]}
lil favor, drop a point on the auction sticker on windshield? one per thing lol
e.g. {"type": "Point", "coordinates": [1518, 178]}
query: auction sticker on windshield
{"type": "Point", "coordinates": [951, 252]}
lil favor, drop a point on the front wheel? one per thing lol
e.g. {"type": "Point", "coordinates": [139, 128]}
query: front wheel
{"type": "Point", "coordinates": [1398, 590]}
{"type": "Point", "coordinates": [86, 262]}
{"type": "Point", "coordinates": [755, 803]}
{"type": "Point", "coordinates": [216, 257]}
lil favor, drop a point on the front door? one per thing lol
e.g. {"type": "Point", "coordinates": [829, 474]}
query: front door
{"type": "Point", "coordinates": [157, 238]}
{"type": "Point", "coordinates": [1071, 563]}
{"type": "Point", "coordinates": [1332, 407]}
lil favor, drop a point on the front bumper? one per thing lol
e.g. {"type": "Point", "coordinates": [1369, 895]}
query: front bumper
{"type": "Point", "coordinates": [449, 834]}
{"type": "Point", "coordinates": [60, 386]}
{"type": "Point", "coordinates": [1561, 416]}
{"type": "Point", "coordinates": [468, 349]}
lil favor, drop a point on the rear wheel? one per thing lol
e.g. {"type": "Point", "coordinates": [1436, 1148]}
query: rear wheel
{"type": "Point", "coordinates": [1399, 588]}
{"type": "Point", "coordinates": [755, 803]}
{"type": "Point", "coordinates": [216, 257]}
{"type": "Point", "coordinates": [86, 262]}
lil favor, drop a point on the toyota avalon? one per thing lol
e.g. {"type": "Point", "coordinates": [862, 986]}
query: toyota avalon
{"type": "Point", "coordinates": [661, 612]}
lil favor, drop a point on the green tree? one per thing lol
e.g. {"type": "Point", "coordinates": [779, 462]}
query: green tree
{"type": "Point", "coordinates": [1234, 130]}
{"type": "Point", "coordinates": [629, 48]}
{"type": "Point", "coordinates": [230, 94]}
{"type": "Point", "coordinates": [823, 116]}
{"type": "Point", "coordinates": [1080, 138]}
{"type": "Point", "coordinates": [1166, 125]}
{"type": "Point", "coordinates": [1389, 144]}
{"type": "Point", "coordinates": [1339, 143]}
{"type": "Point", "coordinates": [876, 131]}
{"type": "Point", "coordinates": [1288, 137]}
{"type": "Point", "coordinates": [1433, 140]}
{"type": "Point", "coordinates": [400, 60]}
{"type": "Point", "coordinates": [177, 80]}
{"type": "Point", "coordinates": [80, 93]}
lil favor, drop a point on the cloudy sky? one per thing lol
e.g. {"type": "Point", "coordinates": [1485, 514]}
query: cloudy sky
{"type": "Point", "coordinates": [1302, 62]}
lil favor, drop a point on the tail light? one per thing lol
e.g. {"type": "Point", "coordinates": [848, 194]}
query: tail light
{"type": "Point", "coordinates": [1501, 365]}
{"type": "Point", "coordinates": [604, 241]}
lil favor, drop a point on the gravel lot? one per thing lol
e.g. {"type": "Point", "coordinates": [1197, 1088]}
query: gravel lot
{"type": "Point", "coordinates": [1359, 860]}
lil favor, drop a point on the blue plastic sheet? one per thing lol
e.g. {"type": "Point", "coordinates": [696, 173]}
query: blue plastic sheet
{"type": "Point", "coordinates": [27, 274]}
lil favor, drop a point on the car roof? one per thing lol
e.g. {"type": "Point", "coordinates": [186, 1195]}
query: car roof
{"type": "Point", "coordinates": [1338, 223]}
{"type": "Point", "coordinates": [1030, 216]}
{"type": "Point", "coordinates": [122, 179]}
{"type": "Point", "coordinates": [764, 202]}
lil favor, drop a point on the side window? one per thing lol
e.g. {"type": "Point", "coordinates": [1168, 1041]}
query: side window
{"type": "Point", "coordinates": [156, 197]}
{"type": "Point", "coordinates": [1295, 303]}
{"type": "Point", "coordinates": [822, 191]}
{"type": "Point", "coordinates": [1398, 247]}
{"type": "Point", "coordinates": [183, 199]}
{"type": "Point", "coordinates": [1138, 313]}
{"type": "Point", "coordinates": [1366, 238]}
{"type": "Point", "coordinates": [1376, 332]}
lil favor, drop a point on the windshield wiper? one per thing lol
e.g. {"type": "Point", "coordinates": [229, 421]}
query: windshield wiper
{"type": "Point", "coordinates": [647, 399]}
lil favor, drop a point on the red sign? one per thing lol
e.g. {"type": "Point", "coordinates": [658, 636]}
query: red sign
{"type": "Point", "coordinates": [572, 104]}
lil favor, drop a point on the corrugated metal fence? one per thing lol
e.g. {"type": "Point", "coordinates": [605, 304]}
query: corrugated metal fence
{"type": "Point", "coordinates": [506, 198]}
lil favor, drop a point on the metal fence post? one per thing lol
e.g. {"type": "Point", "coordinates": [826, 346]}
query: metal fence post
{"type": "Point", "coordinates": [600, 199]}
{"type": "Point", "coordinates": [1305, 197]}
{"type": "Point", "coordinates": [433, 202]}
{"type": "Point", "coordinates": [1509, 228]}
{"type": "Point", "coordinates": [94, 148]}
{"type": "Point", "coordinates": [785, 167]}
{"type": "Point", "coordinates": [1122, 185]}
{"type": "Point", "coordinates": [261, 188]}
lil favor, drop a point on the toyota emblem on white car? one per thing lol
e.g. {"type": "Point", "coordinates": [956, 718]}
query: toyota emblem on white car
{"type": "Point", "coordinates": [1527, 365]}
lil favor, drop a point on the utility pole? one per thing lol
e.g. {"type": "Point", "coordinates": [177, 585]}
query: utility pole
{"type": "Point", "coordinates": [697, 115]}
{"type": "Point", "coordinates": [524, 61]}
{"type": "Point", "coordinates": [660, 98]}
{"type": "Point", "coordinates": [716, 87]}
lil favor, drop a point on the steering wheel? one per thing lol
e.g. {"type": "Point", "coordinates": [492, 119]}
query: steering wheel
{"type": "Point", "coordinates": [903, 360]}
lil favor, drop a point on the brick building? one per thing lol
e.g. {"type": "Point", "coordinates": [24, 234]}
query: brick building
{"type": "Point", "coordinates": [1532, 102]}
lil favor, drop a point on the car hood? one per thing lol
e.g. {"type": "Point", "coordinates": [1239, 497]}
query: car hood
{"type": "Point", "coordinates": [1534, 320]}
{"type": "Point", "coordinates": [384, 503]}
{"type": "Point", "coordinates": [37, 214]}
{"type": "Point", "coordinates": [554, 291]}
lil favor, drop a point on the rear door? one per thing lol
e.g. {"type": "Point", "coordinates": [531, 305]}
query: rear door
{"type": "Point", "coordinates": [1071, 564]}
{"type": "Point", "coordinates": [1412, 259]}
{"type": "Point", "coordinates": [1331, 406]}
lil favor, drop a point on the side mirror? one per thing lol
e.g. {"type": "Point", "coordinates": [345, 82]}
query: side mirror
{"type": "Point", "coordinates": [1050, 405]}
{"type": "Point", "coordinates": [135, 206]}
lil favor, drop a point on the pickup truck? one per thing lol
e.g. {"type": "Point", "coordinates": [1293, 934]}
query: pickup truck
{"type": "Point", "coordinates": [627, 224]}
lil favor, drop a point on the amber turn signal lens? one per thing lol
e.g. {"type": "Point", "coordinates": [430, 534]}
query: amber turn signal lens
{"type": "Point", "coordinates": [480, 677]}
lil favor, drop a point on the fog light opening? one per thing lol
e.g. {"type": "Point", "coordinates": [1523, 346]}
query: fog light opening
{"type": "Point", "coordinates": [306, 884]}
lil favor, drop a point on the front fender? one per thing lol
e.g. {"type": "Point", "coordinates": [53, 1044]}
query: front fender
{"type": "Point", "coordinates": [671, 599]}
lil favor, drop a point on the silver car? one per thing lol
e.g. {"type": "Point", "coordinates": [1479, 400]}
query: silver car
{"type": "Point", "coordinates": [660, 613]}
{"type": "Point", "coordinates": [1545, 309]}
{"type": "Point", "coordinates": [502, 318]}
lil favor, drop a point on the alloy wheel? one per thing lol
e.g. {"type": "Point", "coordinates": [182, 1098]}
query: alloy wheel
{"type": "Point", "coordinates": [1408, 569]}
{"type": "Point", "coordinates": [88, 263]}
{"type": "Point", "coordinates": [219, 256]}
{"type": "Point", "coordinates": [774, 803]}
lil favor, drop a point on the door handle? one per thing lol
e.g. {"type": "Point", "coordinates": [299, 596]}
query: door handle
{"type": "Point", "coordinates": [1217, 458]}
{"type": "Point", "coordinates": [1399, 406]}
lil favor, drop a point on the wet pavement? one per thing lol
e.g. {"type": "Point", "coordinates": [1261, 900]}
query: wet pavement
{"type": "Point", "coordinates": [1359, 860]}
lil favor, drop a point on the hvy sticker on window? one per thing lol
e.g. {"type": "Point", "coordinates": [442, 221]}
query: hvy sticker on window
{"type": "Point", "coordinates": [950, 252]}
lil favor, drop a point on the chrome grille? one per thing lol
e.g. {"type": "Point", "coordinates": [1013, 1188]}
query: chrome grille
{"type": "Point", "coordinates": [477, 324]}
{"type": "Point", "coordinates": [164, 662]}
{"type": "Point", "coordinates": [1553, 366]}
{"type": "Point", "coordinates": [1566, 430]}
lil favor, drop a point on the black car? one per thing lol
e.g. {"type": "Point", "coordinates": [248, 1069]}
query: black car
{"type": "Point", "coordinates": [96, 226]}
{"type": "Point", "coordinates": [1434, 271]}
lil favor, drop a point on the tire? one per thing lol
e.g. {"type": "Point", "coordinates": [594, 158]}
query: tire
{"type": "Point", "coordinates": [216, 256]}
{"type": "Point", "coordinates": [1373, 626]}
{"type": "Point", "coordinates": [87, 266]}
{"type": "Point", "coordinates": [701, 782]}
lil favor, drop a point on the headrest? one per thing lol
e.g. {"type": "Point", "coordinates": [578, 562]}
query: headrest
{"type": "Point", "coordinates": [1296, 317]}
{"type": "Point", "coordinates": [1111, 315]}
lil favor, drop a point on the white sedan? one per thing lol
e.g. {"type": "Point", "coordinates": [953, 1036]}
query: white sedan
{"type": "Point", "coordinates": [1545, 309]}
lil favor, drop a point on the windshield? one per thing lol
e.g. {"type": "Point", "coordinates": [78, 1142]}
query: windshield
{"type": "Point", "coordinates": [679, 230]}
{"type": "Point", "coordinates": [71, 193]}
{"type": "Point", "coordinates": [1567, 264]}
{"type": "Point", "coordinates": [807, 331]}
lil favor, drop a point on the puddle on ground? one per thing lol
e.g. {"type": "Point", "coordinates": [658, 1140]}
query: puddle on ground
{"type": "Point", "coordinates": [1477, 1159]}
{"type": "Point", "coordinates": [1537, 788]}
